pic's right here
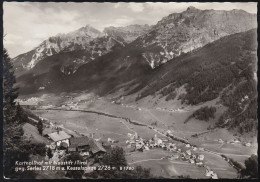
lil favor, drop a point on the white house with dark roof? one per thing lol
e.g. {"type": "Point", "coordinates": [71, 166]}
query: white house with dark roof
{"type": "Point", "coordinates": [59, 137]}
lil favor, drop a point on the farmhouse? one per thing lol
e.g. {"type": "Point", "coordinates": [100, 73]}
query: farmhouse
{"type": "Point", "coordinates": [188, 152]}
{"type": "Point", "coordinates": [248, 144]}
{"type": "Point", "coordinates": [188, 145]}
{"type": "Point", "coordinates": [214, 176]}
{"type": "Point", "coordinates": [48, 131]}
{"type": "Point", "coordinates": [157, 140]}
{"type": "Point", "coordinates": [59, 137]}
{"type": "Point", "coordinates": [191, 161]}
{"type": "Point", "coordinates": [201, 157]}
{"type": "Point", "coordinates": [86, 146]}
{"type": "Point", "coordinates": [199, 163]}
{"type": "Point", "coordinates": [209, 172]}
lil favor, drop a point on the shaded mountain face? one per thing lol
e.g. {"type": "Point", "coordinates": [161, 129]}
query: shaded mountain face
{"type": "Point", "coordinates": [225, 69]}
{"type": "Point", "coordinates": [184, 32]}
{"type": "Point", "coordinates": [128, 33]}
{"type": "Point", "coordinates": [94, 42]}
{"type": "Point", "coordinates": [174, 35]}
{"type": "Point", "coordinates": [107, 63]}
{"type": "Point", "coordinates": [76, 40]}
{"type": "Point", "coordinates": [58, 73]}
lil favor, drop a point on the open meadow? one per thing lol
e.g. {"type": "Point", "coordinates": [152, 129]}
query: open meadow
{"type": "Point", "coordinates": [155, 120]}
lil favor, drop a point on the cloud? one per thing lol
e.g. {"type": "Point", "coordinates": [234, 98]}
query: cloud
{"type": "Point", "coordinates": [117, 5]}
{"type": "Point", "coordinates": [136, 7]}
{"type": "Point", "coordinates": [123, 21]}
{"type": "Point", "coordinates": [33, 25]}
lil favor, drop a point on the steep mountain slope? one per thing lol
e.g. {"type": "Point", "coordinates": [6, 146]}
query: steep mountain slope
{"type": "Point", "coordinates": [184, 32]}
{"type": "Point", "coordinates": [94, 42]}
{"type": "Point", "coordinates": [128, 33]}
{"type": "Point", "coordinates": [75, 40]}
{"type": "Point", "coordinates": [107, 71]}
{"type": "Point", "coordinates": [173, 35]}
{"type": "Point", "coordinates": [225, 69]}
{"type": "Point", "coordinates": [203, 53]}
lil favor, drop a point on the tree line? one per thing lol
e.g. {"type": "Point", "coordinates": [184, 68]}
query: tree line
{"type": "Point", "coordinates": [15, 148]}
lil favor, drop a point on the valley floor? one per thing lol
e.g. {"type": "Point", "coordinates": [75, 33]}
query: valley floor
{"type": "Point", "coordinates": [105, 119]}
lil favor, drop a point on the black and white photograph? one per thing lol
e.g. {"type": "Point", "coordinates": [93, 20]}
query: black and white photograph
{"type": "Point", "coordinates": [130, 90]}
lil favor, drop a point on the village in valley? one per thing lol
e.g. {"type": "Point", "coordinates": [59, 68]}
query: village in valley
{"type": "Point", "coordinates": [62, 141]}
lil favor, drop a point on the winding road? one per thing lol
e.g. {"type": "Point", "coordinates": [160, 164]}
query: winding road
{"type": "Point", "coordinates": [141, 124]}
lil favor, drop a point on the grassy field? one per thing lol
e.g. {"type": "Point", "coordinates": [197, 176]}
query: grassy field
{"type": "Point", "coordinates": [31, 133]}
{"type": "Point", "coordinates": [160, 166]}
{"type": "Point", "coordinates": [220, 166]}
{"type": "Point", "coordinates": [105, 127]}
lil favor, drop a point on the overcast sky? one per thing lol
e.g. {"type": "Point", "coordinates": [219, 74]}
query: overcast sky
{"type": "Point", "coordinates": [27, 24]}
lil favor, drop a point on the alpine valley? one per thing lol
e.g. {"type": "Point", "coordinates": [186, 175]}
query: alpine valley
{"type": "Point", "coordinates": [192, 77]}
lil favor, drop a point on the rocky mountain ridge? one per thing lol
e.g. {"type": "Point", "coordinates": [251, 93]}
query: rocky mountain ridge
{"type": "Point", "coordinates": [87, 38]}
{"type": "Point", "coordinates": [184, 32]}
{"type": "Point", "coordinates": [128, 33]}
{"type": "Point", "coordinates": [172, 36]}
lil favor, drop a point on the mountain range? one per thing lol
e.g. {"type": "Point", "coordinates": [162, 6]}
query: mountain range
{"type": "Point", "coordinates": [211, 54]}
{"type": "Point", "coordinates": [94, 42]}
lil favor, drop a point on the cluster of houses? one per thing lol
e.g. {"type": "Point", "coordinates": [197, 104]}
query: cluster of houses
{"type": "Point", "coordinates": [210, 173]}
{"type": "Point", "coordinates": [84, 145]}
{"type": "Point", "coordinates": [136, 143]}
{"type": "Point", "coordinates": [192, 158]}
{"type": "Point", "coordinates": [235, 141]}
{"type": "Point", "coordinates": [181, 109]}
{"type": "Point", "coordinates": [71, 105]}
{"type": "Point", "coordinates": [32, 100]}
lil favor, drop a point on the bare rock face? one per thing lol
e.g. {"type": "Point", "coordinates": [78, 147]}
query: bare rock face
{"type": "Point", "coordinates": [94, 42]}
{"type": "Point", "coordinates": [183, 32]}
{"type": "Point", "coordinates": [172, 36]}
{"type": "Point", "coordinates": [128, 33]}
{"type": "Point", "coordinates": [75, 40]}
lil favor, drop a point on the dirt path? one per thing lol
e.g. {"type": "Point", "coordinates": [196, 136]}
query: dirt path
{"type": "Point", "coordinates": [128, 120]}
{"type": "Point", "coordinates": [128, 127]}
{"type": "Point", "coordinates": [146, 160]}
{"type": "Point", "coordinates": [34, 120]}
{"type": "Point", "coordinates": [157, 119]}
{"type": "Point", "coordinates": [124, 118]}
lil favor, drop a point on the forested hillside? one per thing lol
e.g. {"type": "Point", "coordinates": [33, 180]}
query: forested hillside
{"type": "Point", "coordinates": [225, 68]}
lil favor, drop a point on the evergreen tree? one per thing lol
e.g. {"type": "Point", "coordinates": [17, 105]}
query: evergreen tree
{"type": "Point", "coordinates": [13, 145]}
{"type": "Point", "coordinates": [115, 158]}
{"type": "Point", "coordinates": [40, 127]}
{"type": "Point", "coordinates": [75, 174]}
{"type": "Point", "coordinates": [251, 170]}
{"type": "Point", "coordinates": [10, 92]}
{"type": "Point", "coordinates": [49, 153]}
